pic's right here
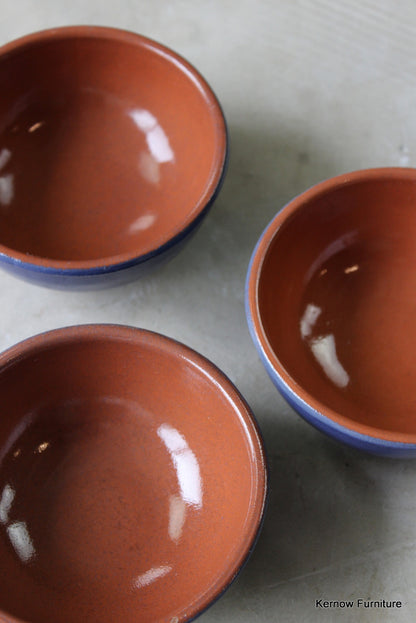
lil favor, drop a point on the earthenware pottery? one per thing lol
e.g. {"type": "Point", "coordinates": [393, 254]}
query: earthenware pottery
{"type": "Point", "coordinates": [132, 479]}
{"type": "Point", "coordinates": [112, 149]}
{"type": "Point", "coordinates": [331, 304]}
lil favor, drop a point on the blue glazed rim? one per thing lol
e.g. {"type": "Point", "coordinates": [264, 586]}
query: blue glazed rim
{"type": "Point", "coordinates": [308, 407]}
{"type": "Point", "coordinates": [215, 375]}
{"type": "Point", "coordinates": [45, 266]}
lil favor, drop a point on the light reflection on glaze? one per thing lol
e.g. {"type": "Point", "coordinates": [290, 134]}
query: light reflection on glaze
{"type": "Point", "coordinates": [142, 223]}
{"type": "Point", "coordinates": [330, 279]}
{"type": "Point", "coordinates": [6, 180]}
{"type": "Point", "coordinates": [17, 531]}
{"type": "Point", "coordinates": [351, 269]}
{"type": "Point", "coordinates": [177, 516]}
{"type": "Point", "coordinates": [20, 539]}
{"type": "Point", "coordinates": [340, 244]}
{"type": "Point", "coordinates": [149, 168]}
{"type": "Point", "coordinates": [309, 318]}
{"type": "Point", "coordinates": [148, 577]}
{"type": "Point", "coordinates": [160, 150]}
{"type": "Point", "coordinates": [186, 464]}
{"type": "Point", "coordinates": [5, 155]}
{"type": "Point", "coordinates": [6, 189]}
{"type": "Point", "coordinates": [6, 502]}
{"type": "Point", "coordinates": [324, 350]}
{"type": "Point", "coordinates": [320, 340]}
{"type": "Point", "coordinates": [323, 347]}
{"type": "Point", "coordinates": [18, 430]}
{"type": "Point", "coordinates": [36, 126]}
{"type": "Point", "coordinates": [43, 446]}
{"type": "Point", "coordinates": [156, 139]}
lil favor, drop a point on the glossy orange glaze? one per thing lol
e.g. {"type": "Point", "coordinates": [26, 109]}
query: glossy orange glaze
{"type": "Point", "coordinates": [132, 478]}
{"type": "Point", "coordinates": [337, 300]}
{"type": "Point", "coordinates": [110, 145]}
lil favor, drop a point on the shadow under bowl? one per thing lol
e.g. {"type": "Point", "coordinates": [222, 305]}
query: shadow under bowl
{"type": "Point", "coordinates": [132, 479]}
{"type": "Point", "coordinates": [331, 306]}
{"type": "Point", "coordinates": [112, 148]}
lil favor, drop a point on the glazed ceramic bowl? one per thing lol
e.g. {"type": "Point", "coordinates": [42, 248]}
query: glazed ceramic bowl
{"type": "Point", "coordinates": [112, 149]}
{"type": "Point", "coordinates": [331, 304]}
{"type": "Point", "coordinates": [132, 479]}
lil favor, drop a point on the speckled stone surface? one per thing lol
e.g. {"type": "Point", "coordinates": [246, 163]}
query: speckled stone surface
{"type": "Point", "coordinates": [310, 89]}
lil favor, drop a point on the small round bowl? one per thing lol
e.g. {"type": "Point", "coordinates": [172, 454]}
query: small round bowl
{"type": "Point", "coordinates": [132, 479]}
{"type": "Point", "coordinates": [331, 304]}
{"type": "Point", "coordinates": [112, 149]}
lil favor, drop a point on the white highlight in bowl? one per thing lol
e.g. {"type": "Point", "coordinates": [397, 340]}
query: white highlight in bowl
{"type": "Point", "coordinates": [6, 189]}
{"type": "Point", "coordinates": [151, 575]}
{"type": "Point", "coordinates": [177, 516]}
{"type": "Point", "coordinates": [6, 502]}
{"type": "Point", "coordinates": [5, 155]}
{"type": "Point", "coordinates": [185, 462]}
{"type": "Point", "coordinates": [308, 320]}
{"type": "Point", "coordinates": [20, 539]}
{"type": "Point", "coordinates": [324, 350]}
{"type": "Point", "coordinates": [156, 139]}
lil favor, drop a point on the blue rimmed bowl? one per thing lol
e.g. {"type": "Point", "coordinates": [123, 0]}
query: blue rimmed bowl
{"type": "Point", "coordinates": [112, 149]}
{"type": "Point", "coordinates": [330, 302]}
{"type": "Point", "coordinates": [132, 479]}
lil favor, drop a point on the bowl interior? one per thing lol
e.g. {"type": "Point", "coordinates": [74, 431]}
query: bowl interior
{"type": "Point", "coordinates": [109, 145]}
{"type": "Point", "coordinates": [337, 300]}
{"type": "Point", "coordinates": [131, 480]}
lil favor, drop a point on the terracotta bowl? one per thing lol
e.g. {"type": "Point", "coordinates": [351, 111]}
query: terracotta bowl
{"type": "Point", "coordinates": [331, 305]}
{"type": "Point", "coordinates": [132, 479]}
{"type": "Point", "coordinates": [112, 149]}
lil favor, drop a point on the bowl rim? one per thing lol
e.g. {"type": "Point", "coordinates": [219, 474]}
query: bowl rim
{"type": "Point", "coordinates": [249, 429]}
{"type": "Point", "coordinates": [324, 416]}
{"type": "Point", "coordinates": [214, 181]}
